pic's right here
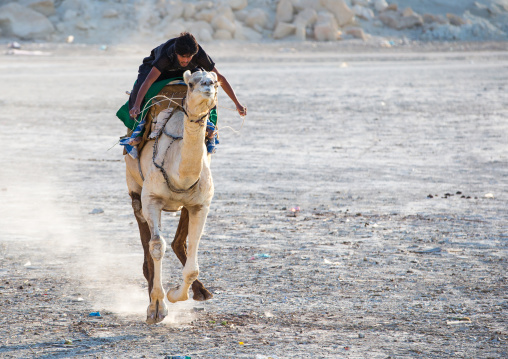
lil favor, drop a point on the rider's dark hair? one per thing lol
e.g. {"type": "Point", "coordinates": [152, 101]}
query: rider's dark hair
{"type": "Point", "coordinates": [186, 44]}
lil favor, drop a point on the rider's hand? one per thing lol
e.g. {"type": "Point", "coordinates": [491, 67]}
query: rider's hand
{"type": "Point", "coordinates": [134, 112]}
{"type": "Point", "coordinates": [241, 110]}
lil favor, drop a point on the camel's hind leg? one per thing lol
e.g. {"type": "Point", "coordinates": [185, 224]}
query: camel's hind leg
{"type": "Point", "coordinates": [144, 232]}
{"type": "Point", "coordinates": [157, 310]}
{"type": "Point", "coordinates": [197, 219]}
{"type": "Point", "coordinates": [179, 246]}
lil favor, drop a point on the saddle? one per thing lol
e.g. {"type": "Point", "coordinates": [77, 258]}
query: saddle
{"type": "Point", "coordinates": [168, 100]}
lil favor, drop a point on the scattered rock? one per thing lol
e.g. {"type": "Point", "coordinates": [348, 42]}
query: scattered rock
{"type": "Point", "coordinates": [284, 11]}
{"type": "Point", "coordinates": [206, 15]}
{"type": "Point", "coordinates": [257, 19]}
{"type": "Point", "coordinates": [25, 23]}
{"type": "Point", "coordinates": [300, 5]}
{"type": "Point", "coordinates": [363, 12]}
{"type": "Point", "coordinates": [189, 10]}
{"type": "Point", "coordinates": [221, 22]}
{"type": "Point", "coordinates": [357, 32]}
{"type": "Point", "coordinates": [283, 30]}
{"type": "Point", "coordinates": [306, 17]}
{"type": "Point", "coordinates": [81, 25]}
{"type": "Point", "coordinates": [246, 33]}
{"type": "Point", "coordinates": [391, 7]}
{"type": "Point", "coordinates": [223, 35]}
{"type": "Point", "coordinates": [174, 28]}
{"type": "Point", "coordinates": [326, 28]}
{"type": "Point", "coordinates": [45, 7]}
{"type": "Point", "coordinates": [401, 20]}
{"type": "Point", "coordinates": [172, 10]}
{"type": "Point", "coordinates": [455, 20]}
{"type": "Point", "coordinates": [380, 5]}
{"type": "Point", "coordinates": [204, 5]}
{"type": "Point", "coordinates": [343, 14]}
{"type": "Point", "coordinates": [437, 19]}
{"type": "Point", "coordinates": [237, 4]}
{"type": "Point", "coordinates": [109, 13]}
{"type": "Point", "coordinates": [202, 30]}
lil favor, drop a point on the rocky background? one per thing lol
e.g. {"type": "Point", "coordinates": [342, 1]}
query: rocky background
{"type": "Point", "coordinates": [134, 21]}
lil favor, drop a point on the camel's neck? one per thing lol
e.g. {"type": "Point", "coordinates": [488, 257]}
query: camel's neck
{"type": "Point", "coordinates": [193, 145]}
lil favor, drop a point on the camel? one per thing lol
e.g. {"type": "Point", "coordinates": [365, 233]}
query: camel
{"type": "Point", "coordinates": [174, 174]}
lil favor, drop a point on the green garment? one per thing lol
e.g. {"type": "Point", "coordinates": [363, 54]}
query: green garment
{"type": "Point", "coordinates": [123, 112]}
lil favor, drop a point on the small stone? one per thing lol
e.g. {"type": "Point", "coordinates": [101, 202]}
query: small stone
{"type": "Point", "coordinates": [455, 20]}
{"type": "Point", "coordinates": [361, 335]}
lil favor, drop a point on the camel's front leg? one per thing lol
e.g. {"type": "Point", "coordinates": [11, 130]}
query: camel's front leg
{"type": "Point", "coordinates": [197, 219]}
{"type": "Point", "coordinates": [157, 310]}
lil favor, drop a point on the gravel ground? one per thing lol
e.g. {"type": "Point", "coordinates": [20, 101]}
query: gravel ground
{"type": "Point", "coordinates": [359, 213]}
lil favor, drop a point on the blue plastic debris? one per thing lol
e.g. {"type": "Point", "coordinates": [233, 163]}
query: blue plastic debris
{"type": "Point", "coordinates": [95, 314]}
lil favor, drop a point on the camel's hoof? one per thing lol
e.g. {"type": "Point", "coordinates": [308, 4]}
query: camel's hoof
{"type": "Point", "coordinates": [200, 292]}
{"type": "Point", "coordinates": [174, 295]}
{"type": "Point", "coordinates": [157, 314]}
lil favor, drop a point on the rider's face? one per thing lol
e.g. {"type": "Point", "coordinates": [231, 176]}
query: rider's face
{"type": "Point", "coordinates": [184, 60]}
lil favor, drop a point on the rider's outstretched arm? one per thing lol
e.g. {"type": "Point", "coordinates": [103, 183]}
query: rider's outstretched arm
{"type": "Point", "coordinates": [229, 91]}
{"type": "Point", "coordinates": [150, 79]}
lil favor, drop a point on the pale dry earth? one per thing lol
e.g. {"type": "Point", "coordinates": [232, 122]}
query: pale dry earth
{"type": "Point", "coordinates": [357, 137]}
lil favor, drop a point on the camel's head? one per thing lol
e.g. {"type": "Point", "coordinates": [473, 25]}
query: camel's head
{"type": "Point", "coordinates": [202, 89]}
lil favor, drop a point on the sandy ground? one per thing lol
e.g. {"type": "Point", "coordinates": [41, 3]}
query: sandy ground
{"type": "Point", "coordinates": [357, 138]}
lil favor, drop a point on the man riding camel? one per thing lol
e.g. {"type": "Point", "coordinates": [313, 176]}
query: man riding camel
{"type": "Point", "coordinates": [171, 60]}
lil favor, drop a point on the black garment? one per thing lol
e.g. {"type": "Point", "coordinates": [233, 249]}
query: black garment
{"type": "Point", "coordinates": [164, 59]}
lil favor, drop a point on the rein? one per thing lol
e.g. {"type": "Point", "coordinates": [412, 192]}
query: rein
{"type": "Point", "coordinates": [200, 121]}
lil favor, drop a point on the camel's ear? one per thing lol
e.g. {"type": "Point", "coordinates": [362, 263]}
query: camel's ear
{"type": "Point", "coordinates": [214, 76]}
{"type": "Point", "coordinates": [186, 76]}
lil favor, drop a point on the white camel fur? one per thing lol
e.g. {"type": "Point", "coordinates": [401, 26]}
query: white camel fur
{"type": "Point", "coordinates": [185, 161]}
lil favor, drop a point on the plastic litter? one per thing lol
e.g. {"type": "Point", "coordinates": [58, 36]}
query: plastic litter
{"type": "Point", "coordinates": [14, 45]}
{"type": "Point", "coordinates": [97, 211]}
{"type": "Point", "coordinates": [262, 255]}
{"type": "Point", "coordinates": [458, 320]}
{"type": "Point", "coordinates": [177, 357]}
{"type": "Point", "coordinates": [95, 314]}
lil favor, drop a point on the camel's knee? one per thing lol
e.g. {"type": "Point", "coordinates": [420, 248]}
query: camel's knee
{"type": "Point", "coordinates": [157, 247]}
